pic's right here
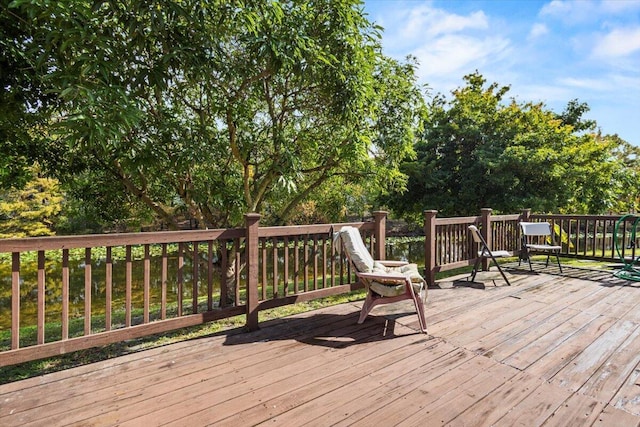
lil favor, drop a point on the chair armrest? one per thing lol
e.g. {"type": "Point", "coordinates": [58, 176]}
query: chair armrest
{"type": "Point", "coordinates": [400, 278]}
{"type": "Point", "coordinates": [388, 263]}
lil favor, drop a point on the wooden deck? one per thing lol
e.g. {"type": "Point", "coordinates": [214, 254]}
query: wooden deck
{"type": "Point", "coordinates": [549, 350]}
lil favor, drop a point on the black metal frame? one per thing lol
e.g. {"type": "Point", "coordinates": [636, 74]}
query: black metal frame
{"type": "Point", "coordinates": [485, 253]}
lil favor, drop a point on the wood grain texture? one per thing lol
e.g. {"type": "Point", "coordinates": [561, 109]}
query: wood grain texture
{"type": "Point", "coordinates": [549, 350]}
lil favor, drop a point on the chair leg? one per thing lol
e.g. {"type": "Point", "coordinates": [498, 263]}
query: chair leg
{"type": "Point", "coordinates": [504, 276]}
{"type": "Point", "coordinates": [366, 307]}
{"type": "Point", "coordinates": [475, 268]}
{"type": "Point", "coordinates": [558, 259]}
{"type": "Point", "coordinates": [419, 303]}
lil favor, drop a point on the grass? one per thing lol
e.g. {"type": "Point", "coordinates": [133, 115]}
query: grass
{"type": "Point", "coordinates": [44, 366]}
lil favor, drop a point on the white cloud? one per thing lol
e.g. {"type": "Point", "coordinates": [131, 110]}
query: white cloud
{"type": "Point", "coordinates": [571, 12]}
{"type": "Point", "coordinates": [617, 43]}
{"type": "Point", "coordinates": [447, 45]}
{"type": "Point", "coordinates": [597, 84]}
{"type": "Point", "coordinates": [457, 54]}
{"type": "Point", "coordinates": [620, 6]}
{"type": "Point", "coordinates": [418, 25]}
{"type": "Point", "coordinates": [538, 30]}
{"type": "Point", "coordinates": [426, 21]}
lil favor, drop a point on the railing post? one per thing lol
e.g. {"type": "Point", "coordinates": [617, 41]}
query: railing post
{"type": "Point", "coordinates": [524, 216]}
{"type": "Point", "coordinates": [485, 230]}
{"type": "Point", "coordinates": [430, 246]}
{"type": "Point", "coordinates": [380, 234]}
{"type": "Point", "coordinates": [252, 224]}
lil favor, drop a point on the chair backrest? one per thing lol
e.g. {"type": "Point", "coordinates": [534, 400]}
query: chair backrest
{"type": "Point", "coordinates": [475, 233]}
{"type": "Point", "coordinates": [356, 250]}
{"type": "Point", "coordinates": [536, 228]}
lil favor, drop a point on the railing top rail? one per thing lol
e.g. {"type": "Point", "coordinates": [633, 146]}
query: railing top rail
{"type": "Point", "coordinates": [116, 239]}
{"type": "Point", "coordinates": [581, 217]}
{"type": "Point", "coordinates": [160, 237]}
{"type": "Point", "coordinates": [509, 217]}
{"type": "Point", "coordinates": [458, 220]}
{"type": "Point", "coordinates": [298, 230]}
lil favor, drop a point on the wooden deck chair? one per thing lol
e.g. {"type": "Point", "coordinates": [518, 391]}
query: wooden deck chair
{"type": "Point", "coordinates": [385, 281]}
{"type": "Point", "coordinates": [533, 236]}
{"type": "Point", "coordinates": [485, 252]}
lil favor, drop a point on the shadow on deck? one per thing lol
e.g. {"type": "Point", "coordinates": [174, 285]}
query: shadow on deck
{"type": "Point", "coordinates": [549, 350]}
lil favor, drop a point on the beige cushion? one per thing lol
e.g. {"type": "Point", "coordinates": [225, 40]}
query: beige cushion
{"type": "Point", "coordinates": [356, 250]}
{"type": "Point", "coordinates": [409, 270]}
{"type": "Point", "coordinates": [364, 263]}
{"type": "Point", "coordinates": [387, 290]}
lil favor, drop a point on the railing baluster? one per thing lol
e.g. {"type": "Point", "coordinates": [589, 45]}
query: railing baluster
{"type": "Point", "coordinates": [263, 269]}
{"type": "Point", "coordinates": [332, 258]}
{"type": "Point", "coordinates": [146, 292]}
{"type": "Point", "coordinates": [87, 291]}
{"type": "Point", "coordinates": [65, 294]}
{"type": "Point", "coordinates": [285, 272]}
{"type": "Point", "coordinates": [163, 278]}
{"type": "Point", "coordinates": [238, 265]}
{"type": "Point", "coordinates": [315, 262]}
{"type": "Point", "coordinates": [224, 265]}
{"type": "Point", "coordinates": [605, 230]}
{"type": "Point", "coordinates": [274, 262]}
{"type": "Point", "coordinates": [15, 300]}
{"type": "Point", "coordinates": [210, 275]}
{"type": "Point", "coordinates": [306, 263]}
{"type": "Point", "coordinates": [41, 294]}
{"type": "Point", "coordinates": [195, 279]}
{"type": "Point", "coordinates": [594, 239]}
{"type": "Point", "coordinates": [296, 264]}
{"type": "Point", "coordinates": [180, 277]}
{"type": "Point", "coordinates": [324, 263]}
{"type": "Point", "coordinates": [128, 280]}
{"type": "Point", "coordinates": [108, 289]}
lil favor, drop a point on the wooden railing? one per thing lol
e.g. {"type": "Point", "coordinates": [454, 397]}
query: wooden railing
{"type": "Point", "coordinates": [449, 246]}
{"type": "Point", "coordinates": [186, 278]}
{"type": "Point", "coordinates": [201, 275]}
{"type": "Point", "coordinates": [590, 236]}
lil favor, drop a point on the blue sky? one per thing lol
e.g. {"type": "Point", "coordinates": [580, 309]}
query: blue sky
{"type": "Point", "coordinates": [546, 51]}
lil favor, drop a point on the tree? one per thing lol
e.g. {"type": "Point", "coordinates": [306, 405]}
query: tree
{"type": "Point", "coordinates": [212, 109]}
{"type": "Point", "coordinates": [626, 190]}
{"type": "Point", "coordinates": [30, 211]}
{"type": "Point", "coordinates": [480, 150]}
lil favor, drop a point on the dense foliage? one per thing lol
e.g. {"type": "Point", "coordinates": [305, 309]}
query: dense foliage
{"type": "Point", "coordinates": [163, 111]}
{"type": "Point", "coordinates": [480, 150]}
{"type": "Point", "coordinates": [209, 109]}
{"type": "Point", "coordinates": [32, 210]}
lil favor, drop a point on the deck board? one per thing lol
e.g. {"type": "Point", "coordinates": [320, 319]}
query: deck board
{"type": "Point", "coordinates": [552, 349]}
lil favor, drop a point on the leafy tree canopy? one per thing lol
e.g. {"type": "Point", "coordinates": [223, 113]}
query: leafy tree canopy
{"type": "Point", "coordinates": [210, 109]}
{"type": "Point", "coordinates": [481, 150]}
